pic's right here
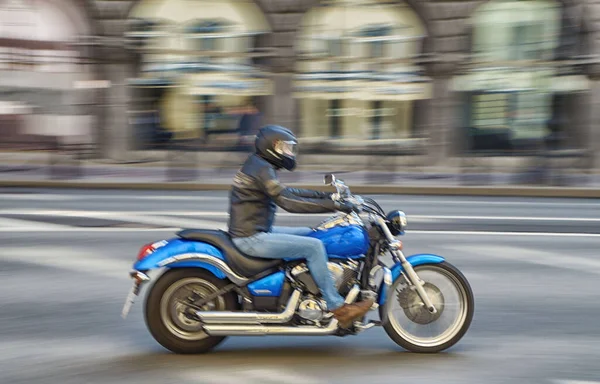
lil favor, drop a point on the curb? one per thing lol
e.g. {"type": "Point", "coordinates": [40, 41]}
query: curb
{"type": "Point", "coordinates": [516, 191]}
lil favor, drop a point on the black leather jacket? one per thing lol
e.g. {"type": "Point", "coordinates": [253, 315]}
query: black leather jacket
{"type": "Point", "coordinates": [256, 192]}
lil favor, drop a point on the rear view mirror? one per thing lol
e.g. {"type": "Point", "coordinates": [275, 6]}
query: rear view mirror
{"type": "Point", "coordinates": [329, 179]}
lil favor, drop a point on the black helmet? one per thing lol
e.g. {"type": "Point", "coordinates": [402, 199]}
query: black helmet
{"type": "Point", "coordinates": [396, 222]}
{"type": "Point", "coordinates": [277, 145]}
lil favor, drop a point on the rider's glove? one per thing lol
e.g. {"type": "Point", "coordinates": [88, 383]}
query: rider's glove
{"type": "Point", "coordinates": [335, 196]}
{"type": "Point", "coordinates": [347, 207]}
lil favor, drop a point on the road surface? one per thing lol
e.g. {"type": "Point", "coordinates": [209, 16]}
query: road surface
{"type": "Point", "coordinates": [65, 257]}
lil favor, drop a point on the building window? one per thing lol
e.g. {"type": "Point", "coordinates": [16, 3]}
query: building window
{"type": "Point", "coordinates": [208, 84]}
{"type": "Point", "coordinates": [509, 96]}
{"type": "Point", "coordinates": [370, 97]}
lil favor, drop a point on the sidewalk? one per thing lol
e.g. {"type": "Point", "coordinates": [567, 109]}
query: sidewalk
{"type": "Point", "coordinates": [162, 177]}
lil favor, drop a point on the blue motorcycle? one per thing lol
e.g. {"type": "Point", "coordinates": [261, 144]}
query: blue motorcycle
{"type": "Point", "coordinates": [203, 289]}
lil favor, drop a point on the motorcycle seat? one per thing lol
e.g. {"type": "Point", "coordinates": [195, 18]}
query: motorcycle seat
{"type": "Point", "coordinates": [240, 263]}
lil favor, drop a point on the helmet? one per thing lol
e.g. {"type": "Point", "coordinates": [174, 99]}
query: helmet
{"type": "Point", "coordinates": [277, 145]}
{"type": "Point", "coordinates": [396, 222]}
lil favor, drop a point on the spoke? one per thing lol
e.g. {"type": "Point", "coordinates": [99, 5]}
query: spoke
{"type": "Point", "coordinates": [447, 320]}
{"type": "Point", "coordinates": [445, 292]}
{"type": "Point", "coordinates": [412, 327]}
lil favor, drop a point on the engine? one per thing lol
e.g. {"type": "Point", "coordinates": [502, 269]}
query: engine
{"type": "Point", "coordinates": [313, 307]}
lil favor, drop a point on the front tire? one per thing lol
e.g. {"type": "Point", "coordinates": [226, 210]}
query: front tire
{"type": "Point", "coordinates": [406, 320]}
{"type": "Point", "coordinates": [165, 316]}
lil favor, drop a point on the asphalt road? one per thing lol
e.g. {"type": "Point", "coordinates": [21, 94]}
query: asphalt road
{"type": "Point", "coordinates": [64, 258]}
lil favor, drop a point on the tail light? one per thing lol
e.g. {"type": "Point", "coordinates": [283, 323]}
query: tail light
{"type": "Point", "coordinates": [145, 251]}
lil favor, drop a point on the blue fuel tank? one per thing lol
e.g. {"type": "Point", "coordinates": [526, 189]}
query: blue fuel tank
{"type": "Point", "coordinates": [350, 241]}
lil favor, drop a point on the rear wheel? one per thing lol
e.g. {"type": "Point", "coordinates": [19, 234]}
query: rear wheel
{"type": "Point", "coordinates": [169, 321]}
{"type": "Point", "coordinates": [407, 321]}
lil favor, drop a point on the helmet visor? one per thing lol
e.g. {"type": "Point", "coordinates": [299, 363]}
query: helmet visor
{"type": "Point", "coordinates": [286, 148]}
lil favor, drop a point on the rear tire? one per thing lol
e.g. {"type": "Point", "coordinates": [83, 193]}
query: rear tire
{"type": "Point", "coordinates": [165, 318]}
{"type": "Point", "coordinates": [416, 343]}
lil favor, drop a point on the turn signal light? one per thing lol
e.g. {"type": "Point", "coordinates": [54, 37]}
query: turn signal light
{"type": "Point", "coordinates": [145, 251]}
{"type": "Point", "coordinates": [397, 244]}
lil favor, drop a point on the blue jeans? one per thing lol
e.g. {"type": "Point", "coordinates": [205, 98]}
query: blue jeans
{"type": "Point", "coordinates": [292, 243]}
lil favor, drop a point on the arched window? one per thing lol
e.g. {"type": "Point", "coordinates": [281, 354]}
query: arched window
{"type": "Point", "coordinates": [356, 77]}
{"type": "Point", "coordinates": [41, 66]}
{"type": "Point", "coordinates": [208, 76]}
{"type": "Point", "coordinates": [37, 34]}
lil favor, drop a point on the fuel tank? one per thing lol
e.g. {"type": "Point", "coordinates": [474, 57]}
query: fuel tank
{"type": "Point", "coordinates": [350, 241]}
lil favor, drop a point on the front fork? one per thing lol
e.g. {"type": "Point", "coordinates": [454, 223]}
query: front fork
{"type": "Point", "coordinates": [414, 281]}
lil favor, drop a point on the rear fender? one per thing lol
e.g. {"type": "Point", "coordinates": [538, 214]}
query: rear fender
{"type": "Point", "coordinates": [180, 253]}
{"type": "Point", "coordinates": [396, 270]}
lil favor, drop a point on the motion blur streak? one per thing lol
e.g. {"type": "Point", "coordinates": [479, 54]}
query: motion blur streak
{"type": "Point", "coordinates": [536, 301]}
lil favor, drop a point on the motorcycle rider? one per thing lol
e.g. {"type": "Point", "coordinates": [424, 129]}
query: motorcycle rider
{"type": "Point", "coordinates": [255, 194]}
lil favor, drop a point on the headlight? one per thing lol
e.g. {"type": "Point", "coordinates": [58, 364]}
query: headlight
{"type": "Point", "coordinates": [396, 222]}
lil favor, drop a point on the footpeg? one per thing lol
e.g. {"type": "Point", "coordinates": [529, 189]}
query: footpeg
{"type": "Point", "coordinates": [363, 327]}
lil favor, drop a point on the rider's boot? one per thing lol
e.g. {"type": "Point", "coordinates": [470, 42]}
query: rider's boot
{"type": "Point", "coordinates": [347, 313]}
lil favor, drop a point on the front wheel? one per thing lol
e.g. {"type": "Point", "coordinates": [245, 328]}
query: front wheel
{"type": "Point", "coordinates": [169, 320]}
{"type": "Point", "coordinates": [407, 321]}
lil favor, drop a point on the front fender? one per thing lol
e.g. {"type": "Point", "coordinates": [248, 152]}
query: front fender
{"type": "Point", "coordinates": [180, 253]}
{"type": "Point", "coordinates": [396, 270]}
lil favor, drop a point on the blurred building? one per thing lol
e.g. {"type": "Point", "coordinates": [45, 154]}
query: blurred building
{"type": "Point", "coordinates": [435, 78]}
{"type": "Point", "coordinates": [47, 81]}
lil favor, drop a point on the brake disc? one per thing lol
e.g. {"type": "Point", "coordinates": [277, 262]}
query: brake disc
{"type": "Point", "coordinates": [415, 309]}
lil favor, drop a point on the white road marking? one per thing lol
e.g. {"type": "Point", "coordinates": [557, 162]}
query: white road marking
{"type": "Point", "coordinates": [67, 197]}
{"type": "Point", "coordinates": [411, 218]}
{"type": "Point", "coordinates": [249, 376]}
{"type": "Point", "coordinates": [41, 197]}
{"type": "Point", "coordinates": [495, 233]}
{"type": "Point", "coordinates": [74, 350]}
{"type": "Point", "coordinates": [525, 255]}
{"type": "Point", "coordinates": [173, 223]}
{"type": "Point", "coordinates": [104, 214]}
{"type": "Point", "coordinates": [515, 218]}
{"type": "Point", "coordinates": [70, 258]}
{"type": "Point", "coordinates": [30, 225]}
{"type": "Point", "coordinates": [416, 232]}
{"type": "Point", "coordinates": [405, 200]}
{"type": "Point", "coordinates": [167, 221]}
{"type": "Point", "coordinates": [88, 229]}
{"type": "Point", "coordinates": [132, 217]}
{"type": "Point", "coordinates": [575, 382]}
{"type": "Point", "coordinates": [280, 376]}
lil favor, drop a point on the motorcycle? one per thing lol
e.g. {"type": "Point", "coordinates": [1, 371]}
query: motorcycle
{"type": "Point", "coordinates": [202, 289]}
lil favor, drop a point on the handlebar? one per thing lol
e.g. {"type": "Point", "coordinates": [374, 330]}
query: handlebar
{"type": "Point", "coordinates": [344, 194]}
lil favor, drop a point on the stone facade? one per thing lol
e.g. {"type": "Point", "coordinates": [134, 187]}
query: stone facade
{"type": "Point", "coordinates": [448, 39]}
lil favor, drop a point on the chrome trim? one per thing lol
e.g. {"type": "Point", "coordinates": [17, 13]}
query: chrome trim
{"type": "Point", "coordinates": [342, 220]}
{"type": "Point", "coordinates": [298, 269]}
{"type": "Point", "coordinates": [352, 264]}
{"type": "Point", "coordinates": [262, 330]}
{"type": "Point", "coordinates": [364, 327]}
{"type": "Point", "coordinates": [212, 260]}
{"type": "Point", "coordinates": [352, 295]}
{"type": "Point", "coordinates": [372, 283]}
{"type": "Point", "coordinates": [387, 276]}
{"type": "Point", "coordinates": [217, 317]}
{"type": "Point", "coordinates": [139, 276]}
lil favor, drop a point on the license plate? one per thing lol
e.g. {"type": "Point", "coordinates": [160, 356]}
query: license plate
{"type": "Point", "coordinates": [129, 301]}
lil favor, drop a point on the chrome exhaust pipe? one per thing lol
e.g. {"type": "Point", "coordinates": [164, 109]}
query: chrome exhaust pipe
{"type": "Point", "coordinates": [263, 330]}
{"type": "Point", "coordinates": [216, 317]}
